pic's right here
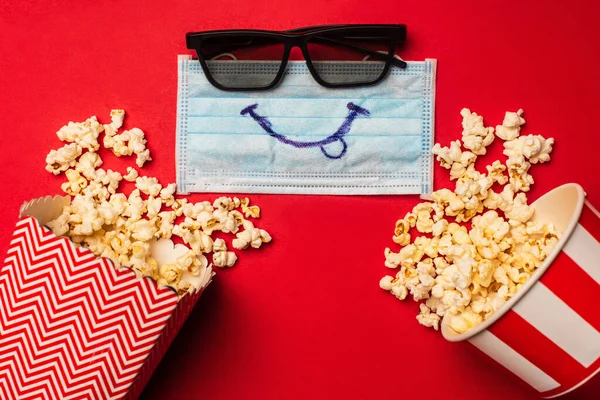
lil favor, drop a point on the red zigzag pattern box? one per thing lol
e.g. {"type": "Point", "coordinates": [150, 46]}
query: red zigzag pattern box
{"type": "Point", "coordinates": [72, 326]}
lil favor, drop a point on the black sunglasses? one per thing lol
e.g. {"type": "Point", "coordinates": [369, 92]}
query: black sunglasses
{"type": "Point", "coordinates": [325, 49]}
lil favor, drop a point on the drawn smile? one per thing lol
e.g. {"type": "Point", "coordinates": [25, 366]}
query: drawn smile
{"type": "Point", "coordinates": [338, 136]}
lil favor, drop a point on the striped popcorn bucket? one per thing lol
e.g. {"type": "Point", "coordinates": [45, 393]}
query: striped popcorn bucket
{"type": "Point", "coordinates": [549, 333]}
{"type": "Point", "coordinates": [72, 326]}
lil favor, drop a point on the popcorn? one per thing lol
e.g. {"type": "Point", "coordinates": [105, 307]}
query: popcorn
{"type": "Point", "coordinates": [424, 222]}
{"type": "Point", "coordinates": [153, 206]}
{"type": "Point", "coordinates": [88, 163]}
{"type": "Point", "coordinates": [169, 275]}
{"type": "Point", "coordinates": [228, 220]}
{"type": "Point", "coordinates": [467, 272]}
{"type": "Point", "coordinates": [76, 183]}
{"type": "Point", "coordinates": [447, 155]}
{"type": "Point", "coordinates": [496, 172]}
{"type": "Point", "coordinates": [143, 158]}
{"type": "Point", "coordinates": [109, 178]}
{"type": "Point", "coordinates": [60, 160]}
{"type": "Point", "coordinates": [536, 149]}
{"type": "Point", "coordinates": [454, 158]}
{"type": "Point", "coordinates": [118, 143]}
{"type": "Point", "coordinates": [219, 245]}
{"type": "Point", "coordinates": [439, 227]}
{"type": "Point", "coordinates": [519, 212]}
{"type": "Point", "coordinates": [511, 126]}
{"type": "Point", "coordinates": [116, 118]}
{"type": "Point", "coordinates": [166, 194]}
{"type": "Point", "coordinates": [148, 185]}
{"type": "Point", "coordinates": [399, 291]}
{"type": "Point", "coordinates": [475, 136]}
{"type": "Point", "coordinates": [165, 224]}
{"type": "Point", "coordinates": [386, 282]}
{"type": "Point", "coordinates": [85, 218]}
{"type": "Point", "coordinates": [249, 211]}
{"type": "Point", "coordinates": [129, 142]}
{"type": "Point", "coordinates": [178, 205]}
{"type": "Point", "coordinates": [464, 321]}
{"type": "Point", "coordinates": [193, 210]}
{"type": "Point", "coordinates": [112, 209]}
{"type": "Point", "coordinates": [226, 203]}
{"type": "Point", "coordinates": [250, 236]}
{"type": "Point", "coordinates": [60, 225]}
{"type": "Point", "coordinates": [137, 140]}
{"type": "Point", "coordinates": [85, 134]}
{"type": "Point", "coordinates": [122, 227]}
{"type": "Point", "coordinates": [201, 242]}
{"type": "Point", "coordinates": [426, 318]}
{"type": "Point", "coordinates": [224, 259]}
{"type": "Point", "coordinates": [401, 234]}
{"type": "Point", "coordinates": [132, 174]}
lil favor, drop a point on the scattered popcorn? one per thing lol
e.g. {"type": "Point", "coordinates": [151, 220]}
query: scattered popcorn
{"type": "Point", "coordinates": [60, 160]}
{"type": "Point", "coordinates": [386, 282]}
{"type": "Point", "coordinates": [143, 158]}
{"type": "Point", "coordinates": [249, 211]}
{"type": "Point", "coordinates": [219, 245]}
{"type": "Point", "coordinates": [122, 227]}
{"type": "Point", "coordinates": [88, 163]}
{"type": "Point", "coordinates": [116, 118]}
{"type": "Point", "coordinates": [85, 134]}
{"type": "Point", "coordinates": [511, 126]}
{"type": "Point", "coordinates": [110, 179]}
{"type": "Point", "coordinates": [250, 236]}
{"type": "Point", "coordinates": [153, 207]}
{"type": "Point", "coordinates": [454, 159]}
{"type": "Point", "coordinates": [76, 183]}
{"type": "Point", "coordinates": [147, 185]}
{"type": "Point", "coordinates": [536, 149]}
{"type": "Point", "coordinates": [137, 140]}
{"type": "Point", "coordinates": [475, 136]}
{"type": "Point", "coordinates": [401, 235]}
{"type": "Point", "coordinates": [224, 259]}
{"type": "Point", "coordinates": [132, 174]}
{"type": "Point", "coordinates": [464, 273]}
{"type": "Point", "coordinates": [166, 194]}
{"type": "Point", "coordinates": [496, 172]}
{"type": "Point", "coordinates": [426, 318]}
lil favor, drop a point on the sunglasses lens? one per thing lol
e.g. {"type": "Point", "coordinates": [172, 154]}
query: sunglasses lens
{"type": "Point", "coordinates": [331, 52]}
{"type": "Point", "coordinates": [223, 56]}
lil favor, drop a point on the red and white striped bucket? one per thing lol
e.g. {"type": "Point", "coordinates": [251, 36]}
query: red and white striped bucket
{"type": "Point", "coordinates": [549, 333]}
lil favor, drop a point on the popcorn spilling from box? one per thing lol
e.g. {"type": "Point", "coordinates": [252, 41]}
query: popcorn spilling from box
{"type": "Point", "coordinates": [464, 273]}
{"type": "Point", "coordinates": [121, 227]}
{"type": "Point", "coordinates": [88, 308]}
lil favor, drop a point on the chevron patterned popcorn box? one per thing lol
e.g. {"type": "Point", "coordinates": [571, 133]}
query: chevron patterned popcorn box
{"type": "Point", "coordinates": [74, 327]}
{"type": "Point", "coordinates": [548, 334]}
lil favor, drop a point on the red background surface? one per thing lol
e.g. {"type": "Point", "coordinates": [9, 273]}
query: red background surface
{"type": "Point", "coordinates": [303, 317]}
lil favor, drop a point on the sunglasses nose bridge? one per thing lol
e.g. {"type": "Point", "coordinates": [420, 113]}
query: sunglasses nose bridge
{"type": "Point", "coordinates": [296, 42]}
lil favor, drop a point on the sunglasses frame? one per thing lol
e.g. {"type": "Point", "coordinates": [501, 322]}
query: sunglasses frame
{"type": "Point", "coordinates": [300, 38]}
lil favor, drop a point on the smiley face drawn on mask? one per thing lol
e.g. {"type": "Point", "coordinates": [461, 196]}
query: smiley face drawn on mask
{"type": "Point", "coordinates": [337, 136]}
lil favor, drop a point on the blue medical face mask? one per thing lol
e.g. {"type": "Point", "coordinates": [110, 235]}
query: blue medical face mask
{"type": "Point", "coordinates": [303, 138]}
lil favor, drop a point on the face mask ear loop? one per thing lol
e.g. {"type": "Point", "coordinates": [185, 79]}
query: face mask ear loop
{"type": "Point", "coordinates": [225, 55]}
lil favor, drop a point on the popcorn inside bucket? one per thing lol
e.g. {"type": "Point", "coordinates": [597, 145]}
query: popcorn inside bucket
{"type": "Point", "coordinates": [560, 207]}
{"type": "Point", "coordinates": [479, 245]}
